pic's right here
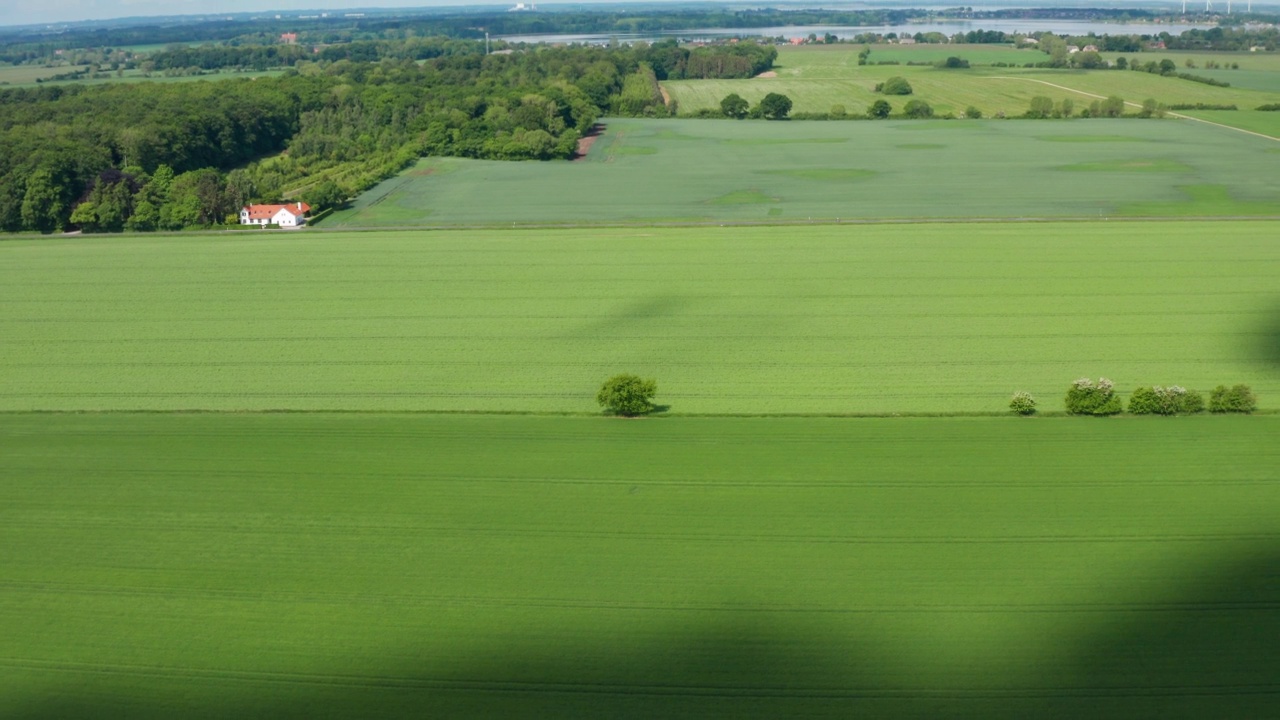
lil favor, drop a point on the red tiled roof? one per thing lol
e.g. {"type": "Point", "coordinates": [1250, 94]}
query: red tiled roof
{"type": "Point", "coordinates": [261, 212]}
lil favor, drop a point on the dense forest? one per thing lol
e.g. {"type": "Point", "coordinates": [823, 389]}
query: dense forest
{"type": "Point", "coordinates": [175, 155]}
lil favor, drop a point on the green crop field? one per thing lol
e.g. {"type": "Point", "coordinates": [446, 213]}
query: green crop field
{"type": "Point", "coordinates": [25, 76]}
{"type": "Point", "coordinates": [911, 318]}
{"type": "Point", "coordinates": [22, 75]}
{"type": "Point", "coordinates": [818, 78]}
{"type": "Point", "coordinates": [306, 566]}
{"type": "Point", "coordinates": [642, 171]}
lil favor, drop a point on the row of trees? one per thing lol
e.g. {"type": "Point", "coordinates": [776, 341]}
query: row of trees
{"type": "Point", "coordinates": [1087, 397]}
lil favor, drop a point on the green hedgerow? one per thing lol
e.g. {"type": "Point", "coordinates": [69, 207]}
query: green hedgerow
{"type": "Point", "coordinates": [1172, 400]}
{"type": "Point", "coordinates": [1023, 404]}
{"type": "Point", "coordinates": [1237, 399]}
{"type": "Point", "coordinates": [1085, 397]}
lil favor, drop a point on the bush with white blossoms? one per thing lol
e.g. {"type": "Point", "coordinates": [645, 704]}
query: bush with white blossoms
{"type": "Point", "coordinates": [1086, 397]}
{"type": "Point", "coordinates": [1171, 400]}
{"type": "Point", "coordinates": [1023, 404]}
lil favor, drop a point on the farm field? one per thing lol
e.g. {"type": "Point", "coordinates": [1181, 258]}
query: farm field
{"type": "Point", "coordinates": [20, 75]}
{"type": "Point", "coordinates": [212, 566]}
{"type": "Point", "coordinates": [25, 76]}
{"type": "Point", "coordinates": [644, 171]}
{"type": "Point", "coordinates": [816, 79]}
{"type": "Point", "coordinates": [907, 318]}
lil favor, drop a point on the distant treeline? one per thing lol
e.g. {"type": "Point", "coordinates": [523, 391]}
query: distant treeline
{"type": "Point", "coordinates": [19, 46]}
{"type": "Point", "coordinates": [172, 155]}
{"type": "Point", "coordinates": [668, 59]}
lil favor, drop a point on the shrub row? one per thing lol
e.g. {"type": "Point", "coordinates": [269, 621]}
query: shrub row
{"type": "Point", "coordinates": [1086, 397]}
{"type": "Point", "coordinates": [1203, 106]}
{"type": "Point", "coordinates": [1270, 107]}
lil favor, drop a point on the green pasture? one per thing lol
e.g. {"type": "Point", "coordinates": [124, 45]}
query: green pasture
{"type": "Point", "coordinates": [905, 318]}
{"type": "Point", "coordinates": [27, 78]}
{"type": "Point", "coordinates": [28, 74]}
{"type": "Point", "coordinates": [304, 566]}
{"type": "Point", "coordinates": [817, 78]}
{"type": "Point", "coordinates": [845, 55]}
{"type": "Point", "coordinates": [645, 171]}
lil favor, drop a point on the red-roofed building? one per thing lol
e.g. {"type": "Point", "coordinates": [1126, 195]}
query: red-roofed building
{"type": "Point", "coordinates": [286, 216]}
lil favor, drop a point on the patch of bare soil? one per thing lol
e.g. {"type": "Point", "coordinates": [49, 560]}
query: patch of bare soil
{"type": "Point", "coordinates": [586, 141]}
{"type": "Point", "coordinates": [767, 73]}
{"type": "Point", "coordinates": [666, 96]}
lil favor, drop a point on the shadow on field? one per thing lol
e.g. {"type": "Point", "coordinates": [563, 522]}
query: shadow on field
{"type": "Point", "coordinates": [1268, 347]}
{"type": "Point", "coordinates": [1207, 649]}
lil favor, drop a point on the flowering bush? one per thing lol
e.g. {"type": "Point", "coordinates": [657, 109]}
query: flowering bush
{"type": "Point", "coordinates": [1023, 404]}
{"type": "Point", "coordinates": [1085, 397]}
{"type": "Point", "coordinates": [1172, 400]}
{"type": "Point", "coordinates": [1238, 399]}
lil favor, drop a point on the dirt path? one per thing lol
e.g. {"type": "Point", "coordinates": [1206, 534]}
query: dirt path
{"type": "Point", "coordinates": [586, 141]}
{"type": "Point", "coordinates": [767, 74]}
{"type": "Point", "coordinates": [1180, 116]}
{"type": "Point", "coordinates": [666, 96]}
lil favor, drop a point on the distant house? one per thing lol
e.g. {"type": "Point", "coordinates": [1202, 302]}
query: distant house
{"type": "Point", "coordinates": [906, 41]}
{"type": "Point", "coordinates": [292, 215]}
{"type": "Point", "coordinates": [289, 38]}
{"type": "Point", "coordinates": [1091, 48]}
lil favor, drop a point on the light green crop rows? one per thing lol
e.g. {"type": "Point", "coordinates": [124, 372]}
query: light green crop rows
{"type": "Point", "coordinates": [349, 566]}
{"type": "Point", "coordinates": [807, 319]}
{"type": "Point", "coordinates": [722, 170]}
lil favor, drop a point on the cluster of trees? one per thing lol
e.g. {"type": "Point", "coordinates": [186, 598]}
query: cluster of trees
{"type": "Point", "coordinates": [1086, 397]}
{"type": "Point", "coordinates": [89, 156]}
{"type": "Point", "coordinates": [1112, 107]}
{"type": "Point", "coordinates": [774, 106]}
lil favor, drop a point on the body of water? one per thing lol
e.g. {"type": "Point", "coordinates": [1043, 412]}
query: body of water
{"type": "Point", "coordinates": [946, 27]}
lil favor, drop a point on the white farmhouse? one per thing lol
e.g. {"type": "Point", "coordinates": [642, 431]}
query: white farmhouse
{"type": "Point", "coordinates": [293, 215]}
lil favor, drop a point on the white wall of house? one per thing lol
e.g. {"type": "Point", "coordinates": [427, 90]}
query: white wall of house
{"type": "Point", "coordinates": [284, 218]}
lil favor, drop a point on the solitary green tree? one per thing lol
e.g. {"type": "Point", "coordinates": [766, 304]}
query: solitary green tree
{"type": "Point", "coordinates": [775, 106]}
{"type": "Point", "coordinates": [917, 109]}
{"type": "Point", "coordinates": [734, 106]}
{"type": "Point", "coordinates": [896, 85]}
{"type": "Point", "coordinates": [627, 395]}
{"type": "Point", "coordinates": [879, 109]}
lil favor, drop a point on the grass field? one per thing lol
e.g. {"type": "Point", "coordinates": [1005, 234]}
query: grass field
{"type": "Point", "coordinates": [716, 170]}
{"type": "Point", "coordinates": [380, 566]}
{"type": "Point", "coordinates": [818, 78]}
{"type": "Point", "coordinates": [19, 75]}
{"type": "Point", "coordinates": [912, 318]}
{"type": "Point", "coordinates": [25, 76]}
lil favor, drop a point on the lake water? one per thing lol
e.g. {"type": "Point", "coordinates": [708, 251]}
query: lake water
{"type": "Point", "coordinates": [948, 27]}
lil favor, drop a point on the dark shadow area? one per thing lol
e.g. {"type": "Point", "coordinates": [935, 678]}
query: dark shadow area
{"type": "Point", "coordinates": [1207, 648]}
{"type": "Point", "coordinates": [1267, 350]}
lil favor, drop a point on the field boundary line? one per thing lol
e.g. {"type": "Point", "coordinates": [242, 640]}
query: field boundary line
{"type": "Point", "coordinates": [659, 224]}
{"type": "Point", "coordinates": [1056, 414]}
{"type": "Point", "coordinates": [1180, 116]}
